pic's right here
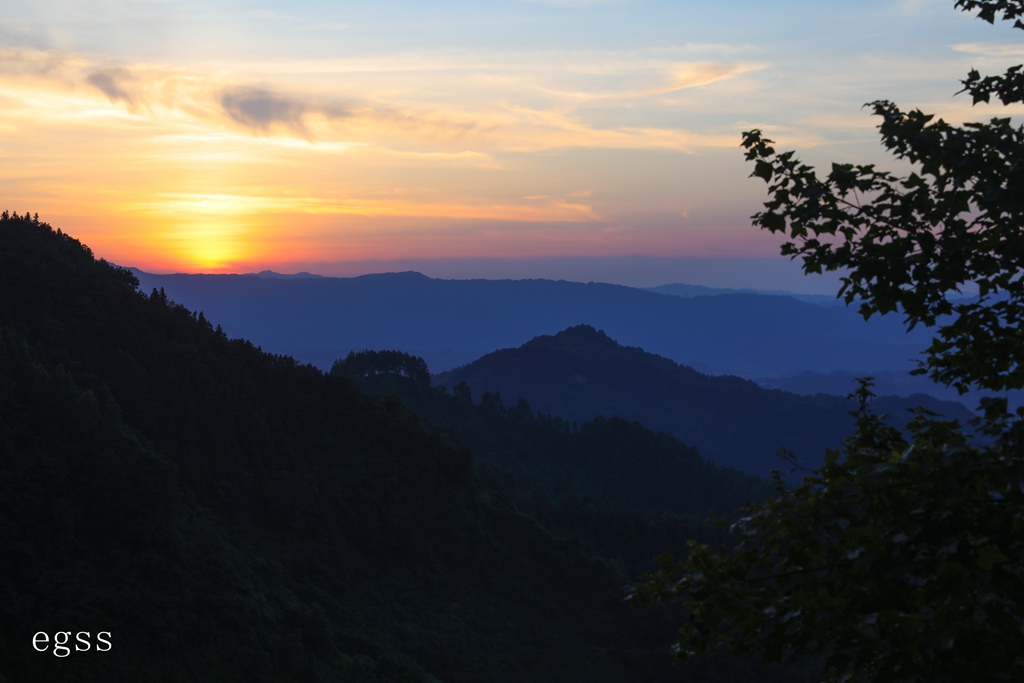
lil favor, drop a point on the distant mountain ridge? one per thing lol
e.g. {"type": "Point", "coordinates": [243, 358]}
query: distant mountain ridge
{"type": "Point", "coordinates": [581, 372]}
{"type": "Point", "coordinates": [303, 275]}
{"type": "Point", "coordinates": [687, 291]}
{"type": "Point", "coordinates": [452, 322]}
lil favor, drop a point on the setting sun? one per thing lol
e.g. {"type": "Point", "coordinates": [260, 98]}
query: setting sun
{"type": "Point", "coordinates": [314, 140]}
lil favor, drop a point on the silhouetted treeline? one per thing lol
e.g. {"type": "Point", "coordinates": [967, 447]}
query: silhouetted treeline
{"type": "Point", "coordinates": [628, 491]}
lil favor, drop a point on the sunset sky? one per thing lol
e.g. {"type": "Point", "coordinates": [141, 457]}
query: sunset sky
{"type": "Point", "coordinates": [583, 139]}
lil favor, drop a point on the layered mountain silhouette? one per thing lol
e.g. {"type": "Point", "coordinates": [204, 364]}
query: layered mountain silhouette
{"type": "Point", "coordinates": [452, 322]}
{"type": "Point", "coordinates": [581, 373]}
{"type": "Point", "coordinates": [628, 491]}
{"type": "Point", "coordinates": [225, 514]}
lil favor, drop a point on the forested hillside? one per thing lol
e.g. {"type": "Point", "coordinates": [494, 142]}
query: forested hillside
{"type": "Point", "coordinates": [627, 491]}
{"type": "Point", "coordinates": [581, 373]}
{"type": "Point", "coordinates": [229, 515]}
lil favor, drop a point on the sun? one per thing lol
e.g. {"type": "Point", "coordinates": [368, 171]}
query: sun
{"type": "Point", "coordinates": [198, 232]}
{"type": "Point", "coordinates": [209, 245]}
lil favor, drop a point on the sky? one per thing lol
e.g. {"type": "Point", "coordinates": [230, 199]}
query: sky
{"type": "Point", "coordinates": [572, 139]}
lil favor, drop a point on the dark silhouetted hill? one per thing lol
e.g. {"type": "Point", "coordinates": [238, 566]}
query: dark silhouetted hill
{"type": "Point", "coordinates": [580, 373]}
{"type": "Point", "coordinates": [626, 490]}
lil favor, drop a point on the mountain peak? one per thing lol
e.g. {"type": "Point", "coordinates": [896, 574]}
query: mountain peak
{"type": "Point", "coordinates": [404, 276]}
{"type": "Point", "coordinates": [583, 332]}
{"type": "Point", "coordinates": [269, 274]}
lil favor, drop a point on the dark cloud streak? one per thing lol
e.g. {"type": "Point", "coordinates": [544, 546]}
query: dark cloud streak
{"type": "Point", "coordinates": [259, 109]}
{"type": "Point", "coordinates": [113, 83]}
{"type": "Point", "coordinates": [16, 35]}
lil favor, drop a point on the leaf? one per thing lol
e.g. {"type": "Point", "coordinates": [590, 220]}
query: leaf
{"type": "Point", "coordinates": [990, 556]}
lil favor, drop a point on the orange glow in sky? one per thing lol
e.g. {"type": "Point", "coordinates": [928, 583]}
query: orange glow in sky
{"type": "Point", "coordinates": [172, 136]}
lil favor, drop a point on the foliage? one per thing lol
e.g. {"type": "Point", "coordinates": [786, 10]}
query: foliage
{"type": "Point", "coordinates": [898, 560]}
{"type": "Point", "coordinates": [370, 363]}
{"type": "Point", "coordinates": [910, 242]}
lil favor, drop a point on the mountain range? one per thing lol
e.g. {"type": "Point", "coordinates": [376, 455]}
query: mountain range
{"type": "Point", "coordinates": [452, 322]}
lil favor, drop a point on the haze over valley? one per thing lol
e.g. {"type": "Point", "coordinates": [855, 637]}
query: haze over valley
{"type": "Point", "coordinates": [453, 322]}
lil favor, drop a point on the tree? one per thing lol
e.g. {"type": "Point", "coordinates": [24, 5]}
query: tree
{"type": "Point", "coordinates": [901, 558]}
{"type": "Point", "coordinates": [372, 363]}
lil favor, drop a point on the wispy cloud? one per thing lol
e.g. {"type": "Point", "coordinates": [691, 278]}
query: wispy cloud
{"type": "Point", "coordinates": [661, 79]}
{"type": "Point", "coordinates": [22, 63]}
{"type": "Point", "coordinates": [477, 128]}
{"type": "Point", "coordinates": [116, 83]}
{"type": "Point", "coordinates": [259, 108]}
{"type": "Point", "coordinates": [16, 34]}
{"type": "Point", "coordinates": [700, 74]}
{"type": "Point", "coordinates": [202, 204]}
{"type": "Point", "coordinates": [991, 49]}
